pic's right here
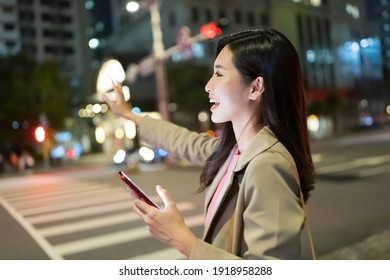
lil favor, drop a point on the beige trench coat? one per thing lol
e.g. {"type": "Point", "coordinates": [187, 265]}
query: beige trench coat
{"type": "Point", "coordinates": [260, 214]}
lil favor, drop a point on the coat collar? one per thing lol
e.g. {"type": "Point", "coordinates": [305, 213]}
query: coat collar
{"type": "Point", "coordinates": [263, 140]}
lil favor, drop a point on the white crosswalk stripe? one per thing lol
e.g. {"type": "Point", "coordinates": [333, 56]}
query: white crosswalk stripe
{"type": "Point", "coordinates": [361, 167]}
{"type": "Point", "coordinates": [56, 215]}
{"type": "Point", "coordinates": [99, 222]}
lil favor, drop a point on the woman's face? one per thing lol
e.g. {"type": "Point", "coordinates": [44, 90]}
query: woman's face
{"type": "Point", "coordinates": [227, 91]}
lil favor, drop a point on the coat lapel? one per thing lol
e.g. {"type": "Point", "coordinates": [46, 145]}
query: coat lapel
{"type": "Point", "coordinates": [263, 141]}
{"type": "Point", "coordinates": [213, 187]}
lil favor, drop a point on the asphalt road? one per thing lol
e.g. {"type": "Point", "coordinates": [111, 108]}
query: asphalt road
{"type": "Point", "coordinates": [83, 211]}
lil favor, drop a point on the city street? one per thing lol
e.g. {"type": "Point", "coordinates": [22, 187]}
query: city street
{"type": "Point", "coordinates": [84, 212]}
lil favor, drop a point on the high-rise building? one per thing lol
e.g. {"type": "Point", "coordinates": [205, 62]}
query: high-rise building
{"type": "Point", "coordinates": [322, 31]}
{"type": "Point", "coordinates": [327, 33]}
{"type": "Point", "coordinates": [9, 28]}
{"type": "Point", "coordinates": [381, 11]}
{"type": "Point", "coordinates": [49, 30]}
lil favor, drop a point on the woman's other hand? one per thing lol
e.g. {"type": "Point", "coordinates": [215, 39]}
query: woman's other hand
{"type": "Point", "coordinates": [166, 224]}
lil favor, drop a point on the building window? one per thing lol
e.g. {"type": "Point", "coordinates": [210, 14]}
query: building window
{"type": "Point", "coordinates": [31, 49]}
{"type": "Point", "coordinates": [47, 17]}
{"type": "Point", "coordinates": [67, 35]}
{"type": "Point", "coordinates": [69, 50]}
{"type": "Point", "coordinates": [26, 2]}
{"type": "Point", "coordinates": [10, 44]}
{"type": "Point", "coordinates": [9, 27]}
{"type": "Point", "coordinates": [221, 14]}
{"type": "Point", "coordinates": [310, 31]}
{"type": "Point", "coordinates": [238, 16]}
{"type": "Point", "coordinates": [7, 9]}
{"type": "Point", "coordinates": [66, 19]}
{"type": "Point", "coordinates": [27, 32]}
{"type": "Point", "coordinates": [65, 4]}
{"type": "Point", "coordinates": [47, 33]}
{"type": "Point", "coordinates": [195, 14]}
{"type": "Point", "coordinates": [264, 19]}
{"type": "Point", "coordinates": [26, 16]}
{"type": "Point", "coordinates": [209, 16]}
{"type": "Point", "coordinates": [172, 19]}
{"type": "Point", "coordinates": [386, 27]}
{"type": "Point", "coordinates": [251, 19]}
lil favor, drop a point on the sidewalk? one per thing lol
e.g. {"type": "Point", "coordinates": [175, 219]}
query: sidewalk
{"type": "Point", "coordinates": [375, 247]}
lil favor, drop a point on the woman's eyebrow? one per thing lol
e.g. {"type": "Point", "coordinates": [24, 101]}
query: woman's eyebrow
{"type": "Point", "coordinates": [218, 66]}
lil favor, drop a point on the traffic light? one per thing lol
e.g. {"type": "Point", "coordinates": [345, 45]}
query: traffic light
{"type": "Point", "coordinates": [210, 30]}
{"type": "Point", "coordinates": [40, 134]}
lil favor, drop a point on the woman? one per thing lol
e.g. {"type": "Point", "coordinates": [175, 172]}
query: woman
{"type": "Point", "coordinates": [258, 172]}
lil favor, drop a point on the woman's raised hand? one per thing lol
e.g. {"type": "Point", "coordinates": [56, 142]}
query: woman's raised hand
{"type": "Point", "coordinates": [120, 107]}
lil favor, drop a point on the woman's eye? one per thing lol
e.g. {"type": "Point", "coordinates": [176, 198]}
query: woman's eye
{"type": "Point", "coordinates": [217, 74]}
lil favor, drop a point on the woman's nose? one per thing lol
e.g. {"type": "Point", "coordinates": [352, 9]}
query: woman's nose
{"type": "Point", "coordinates": [207, 87]}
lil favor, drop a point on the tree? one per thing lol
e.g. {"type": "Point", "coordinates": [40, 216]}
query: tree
{"type": "Point", "coordinates": [29, 89]}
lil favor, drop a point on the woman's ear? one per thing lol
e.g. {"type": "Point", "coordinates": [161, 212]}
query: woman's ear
{"type": "Point", "coordinates": [257, 88]}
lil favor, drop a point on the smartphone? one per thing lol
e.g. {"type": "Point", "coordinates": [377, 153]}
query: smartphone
{"type": "Point", "coordinates": [141, 195]}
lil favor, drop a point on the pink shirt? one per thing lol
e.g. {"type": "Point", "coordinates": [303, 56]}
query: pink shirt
{"type": "Point", "coordinates": [222, 185]}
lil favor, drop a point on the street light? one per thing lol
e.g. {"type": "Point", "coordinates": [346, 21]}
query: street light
{"type": "Point", "coordinates": [158, 54]}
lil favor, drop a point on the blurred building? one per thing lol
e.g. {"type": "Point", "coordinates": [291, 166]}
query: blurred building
{"type": "Point", "coordinates": [55, 30]}
{"type": "Point", "coordinates": [379, 10]}
{"type": "Point", "coordinates": [343, 45]}
{"type": "Point", "coordinates": [47, 29]}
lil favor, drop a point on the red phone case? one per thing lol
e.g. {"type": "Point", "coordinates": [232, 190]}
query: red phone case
{"type": "Point", "coordinates": [141, 195]}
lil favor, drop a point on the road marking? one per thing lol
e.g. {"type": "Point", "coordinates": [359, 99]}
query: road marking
{"type": "Point", "coordinates": [100, 222]}
{"type": "Point", "coordinates": [17, 183]}
{"type": "Point", "coordinates": [367, 161]}
{"type": "Point", "coordinates": [374, 171]}
{"type": "Point", "coordinates": [42, 242]}
{"type": "Point", "coordinates": [76, 196]}
{"type": "Point", "coordinates": [317, 157]}
{"type": "Point", "coordinates": [82, 212]}
{"type": "Point", "coordinates": [45, 205]}
{"type": "Point", "coordinates": [118, 197]}
{"type": "Point", "coordinates": [49, 192]}
{"type": "Point", "coordinates": [119, 237]}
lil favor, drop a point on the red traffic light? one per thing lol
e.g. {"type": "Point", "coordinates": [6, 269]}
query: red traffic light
{"type": "Point", "coordinates": [210, 30]}
{"type": "Point", "coordinates": [40, 134]}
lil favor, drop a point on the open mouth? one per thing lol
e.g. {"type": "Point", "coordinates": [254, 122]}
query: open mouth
{"type": "Point", "coordinates": [216, 104]}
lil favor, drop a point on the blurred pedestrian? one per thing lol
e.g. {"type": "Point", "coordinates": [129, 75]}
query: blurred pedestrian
{"type": "Point", "coordinates": [13, 160]}
{"type": "Point", "coordinates": [258, 173]}
{"type": "Point", "coordinates": [26, 161]}
{"type": "Point", "coordinates": [2, 164]}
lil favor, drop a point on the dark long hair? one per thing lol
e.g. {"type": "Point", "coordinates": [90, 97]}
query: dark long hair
{"type": "Point", "coordinates": [268, 53]}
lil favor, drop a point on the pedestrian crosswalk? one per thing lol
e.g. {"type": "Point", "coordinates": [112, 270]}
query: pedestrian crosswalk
{"type": "Point", "coordinates": [356, 168]}
{"type": "Point", "coordinates": [85, 219]}
{"type": "Point", "coordinates": [82, 218]}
